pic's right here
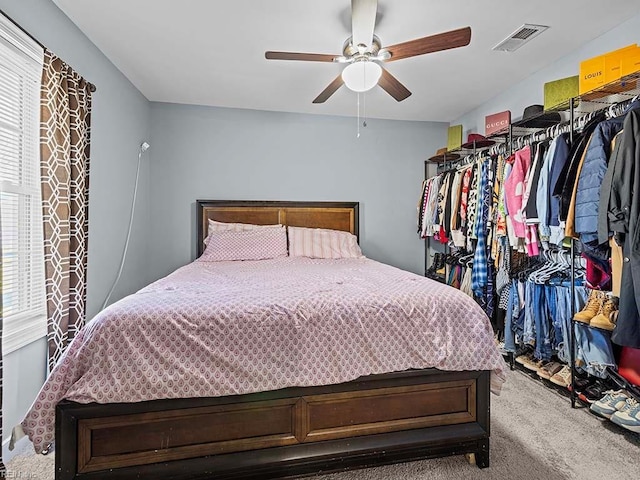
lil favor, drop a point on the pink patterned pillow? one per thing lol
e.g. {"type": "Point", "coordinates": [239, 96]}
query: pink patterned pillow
{"type": "Point", "coordinates": [215, 226]}
{"type": "Point", "coordinates": [322, 243]}
{"type": "Point", "coordinates": [256, 244]}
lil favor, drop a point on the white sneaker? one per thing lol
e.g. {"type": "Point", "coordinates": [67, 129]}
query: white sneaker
{"type": "Point", "coordinates": [613, 401]}
{"type": "Point", "coordinates": [628, 416]}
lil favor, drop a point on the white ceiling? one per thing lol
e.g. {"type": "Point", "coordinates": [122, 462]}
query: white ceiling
{"type": "Point", "coordinates": [211, 52]}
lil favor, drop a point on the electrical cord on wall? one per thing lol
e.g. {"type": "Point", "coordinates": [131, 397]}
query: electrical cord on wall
{"type": "Point", "coordinates": [143, 148]}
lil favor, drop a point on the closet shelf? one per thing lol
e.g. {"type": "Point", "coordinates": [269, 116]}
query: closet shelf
{"type": "Point", "coordinates": [610, 94]}
{"type": "Point", "coordinates": [591, 327]}
{"type": "Point", "coordinates": [459, 153]}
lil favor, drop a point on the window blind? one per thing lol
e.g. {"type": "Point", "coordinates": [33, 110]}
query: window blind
{"type": "Point", "coordinates": [23, 292]}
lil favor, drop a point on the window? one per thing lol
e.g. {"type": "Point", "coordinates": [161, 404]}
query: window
{"type": "Point", "coordinates": [23, 292]}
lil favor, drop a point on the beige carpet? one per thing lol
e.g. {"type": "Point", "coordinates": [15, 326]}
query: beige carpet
{"type": "Point", "coordinates": [535, 436]}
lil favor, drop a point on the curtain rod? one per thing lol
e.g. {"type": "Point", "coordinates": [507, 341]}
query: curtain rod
{"type": "Point", "coordinates": [92, 87]}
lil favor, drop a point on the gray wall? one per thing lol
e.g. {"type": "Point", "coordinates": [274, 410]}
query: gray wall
{"type": "Point", "coordinates": [120, 121]}
{"type": "Point", "coordinates": [219, 153]}
{"type": "Point", "coordinates": [531, 90]}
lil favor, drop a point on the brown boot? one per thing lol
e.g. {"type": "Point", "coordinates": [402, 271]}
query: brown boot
{"type": "Point", "coordinates": [606, 318]}
{"type": "Point", "coordinates": [592, 308]}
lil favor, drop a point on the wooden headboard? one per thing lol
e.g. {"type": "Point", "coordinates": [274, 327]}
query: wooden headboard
{"type": "Point", "coordinates": [334, 215]}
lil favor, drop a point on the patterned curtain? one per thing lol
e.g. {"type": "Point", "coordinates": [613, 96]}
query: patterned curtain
{"type": "Point", "coordinates": [64, 148]}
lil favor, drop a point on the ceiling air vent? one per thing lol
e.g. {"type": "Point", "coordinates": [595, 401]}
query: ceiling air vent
{"type": "Point", "coordinates": [521, 36]}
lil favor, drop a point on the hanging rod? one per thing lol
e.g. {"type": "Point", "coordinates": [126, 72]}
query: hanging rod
{"type": "Point", "coordinates": [92, 87]}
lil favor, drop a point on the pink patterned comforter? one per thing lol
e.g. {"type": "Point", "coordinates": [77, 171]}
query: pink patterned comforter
{"type": "Point", "coordinates": [226, 328]}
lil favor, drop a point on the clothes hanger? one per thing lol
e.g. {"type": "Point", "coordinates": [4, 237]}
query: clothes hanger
{"type": "Point", "coordinates": [544, 271]}
{"type": "Point", "coordinates": [556, 265]}
{"type": "Point", "coordinates": [550, 131]}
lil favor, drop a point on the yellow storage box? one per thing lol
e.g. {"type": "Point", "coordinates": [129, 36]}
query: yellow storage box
{"type": "Point", "coordinates": [598, 71]}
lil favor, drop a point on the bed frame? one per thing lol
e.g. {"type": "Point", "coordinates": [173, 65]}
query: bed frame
{"type": "Point", "coordinates": [378, 419]}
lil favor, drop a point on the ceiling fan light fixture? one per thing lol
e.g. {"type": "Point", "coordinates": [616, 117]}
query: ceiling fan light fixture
{"type": "Point", "coordinates": [361, 76]}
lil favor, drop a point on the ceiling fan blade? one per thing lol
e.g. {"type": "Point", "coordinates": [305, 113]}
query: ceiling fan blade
{"type": "Point", "coordinates": [392, 86]}
{"type": "Point", "coordinates": [308, 57]}
{"type": "Point", "coordinates": [330, 90]}
{"type": "Point", "coordinates": [430, 44]}
{"type": "Point", "coordinates": [363, 21]}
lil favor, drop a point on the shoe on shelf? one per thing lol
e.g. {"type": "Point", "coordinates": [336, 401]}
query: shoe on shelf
{"type": "Point", "coordinates": [435, 264]}
{"type": "Point", "coordinates": [592, 307]}
{"type": "Point", "coordinates": [582, 382]}
{"type": "Point", "coordinates": [441, 267]}
{"type": "Point", "coordinates": [563, 377]}
{"type": "Point", "coordinates": [628, 416]}
{"type": "Point", "coordinates": [529, 361]}
{"type": "Point", "coordinates": [613, 401]}
{"type": "Point", "coordinates": [525, 358]}
{"type": "Point", "coordinates": [549, 369]}
{"type": "Point", "coordinates": [607, 316]}
{"type": "Point", "coordinates": [522, 350]}
{"type": "Point", "coordinates": [594, 392]}
{"type": "Point", "coordinates": [535, 364]}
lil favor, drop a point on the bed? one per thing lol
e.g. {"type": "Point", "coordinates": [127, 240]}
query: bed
{"type": "Point", "coordinates": [348, 421]}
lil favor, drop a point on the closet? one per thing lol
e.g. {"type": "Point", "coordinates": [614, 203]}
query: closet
{"type": "Point", "coordinates": [543, 230]}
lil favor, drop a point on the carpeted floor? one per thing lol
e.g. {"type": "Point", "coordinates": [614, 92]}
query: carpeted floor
{"type": "Point", "coordinates": [535, 435]}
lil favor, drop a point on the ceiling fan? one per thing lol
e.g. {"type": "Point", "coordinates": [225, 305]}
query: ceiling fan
{"type": "Point", "coordinates": [363, 52]}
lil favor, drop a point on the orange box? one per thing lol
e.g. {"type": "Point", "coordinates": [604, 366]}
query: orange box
{"type": "Point", "coordinates": [597, 71]}
{"type": "Point", "coordinates": [591, 74]}
{"type": "Point", "coordinates": [613, 60]}
{"type": "Point", "coordinates": [630, 64]}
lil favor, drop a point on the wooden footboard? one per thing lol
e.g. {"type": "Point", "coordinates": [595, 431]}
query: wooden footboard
{"type": "Point", "coordinates": [296, 431]}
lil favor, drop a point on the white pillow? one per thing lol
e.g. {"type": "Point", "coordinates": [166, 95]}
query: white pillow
{"type": "Point", "coordinates": [322, 243]}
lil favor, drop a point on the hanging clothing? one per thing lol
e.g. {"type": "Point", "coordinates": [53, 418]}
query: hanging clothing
{"type": "Point", "coordinates": [617, 260]}
{"type": "Point", "coordinates": [497, 225]}
{"type": "Point", "coordinates": [570, 218]}
{"type": "Point", "coordinates": [559, 162]}
{"type": "Point", "coordinates": [458, 235]}
{"type": "Point", "coordinates": [625, 207]}
{"type": "Point", "coordinates": [479, 269]}
{"type": "Point", "coordinates": [511, 234]}
{"type": "Point", "coordinates": [445, 224]}
{"type": "Point", "coordinates": [593, 172]}
{"type": "Point", "coordinates": [501, 215]}
{"type": "Point", "coordinates": [531, 197]}
{"type": "Point", "coordinates": [472, 205]}
{"type": "Point", "coordinates": [422, 204]}
{"type": "Point", "coordinates": [464, 196]}
{"type": "Point", "coordinates": [465, 284]}
{"type": "Point", "coordinates": [515, 187]}
{"type": "Point", "coordinates": [431, 213]}
{"type": "Point", "coordinates": [444, 209]}
{"type": "Point", "coordinates": [604, 232]}
{"type": "Point", "coordinates": [564, 187]}
{"type": "Point", "coordinates": [543, 197]}
{"type": "Point", "coordinates": [456, 189]}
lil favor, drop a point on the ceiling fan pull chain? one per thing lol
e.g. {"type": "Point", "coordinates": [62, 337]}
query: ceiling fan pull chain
{"type": "Point", "coordinates": [364, 110]}
{"type": "Point", "coordinates": [358, 135]}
